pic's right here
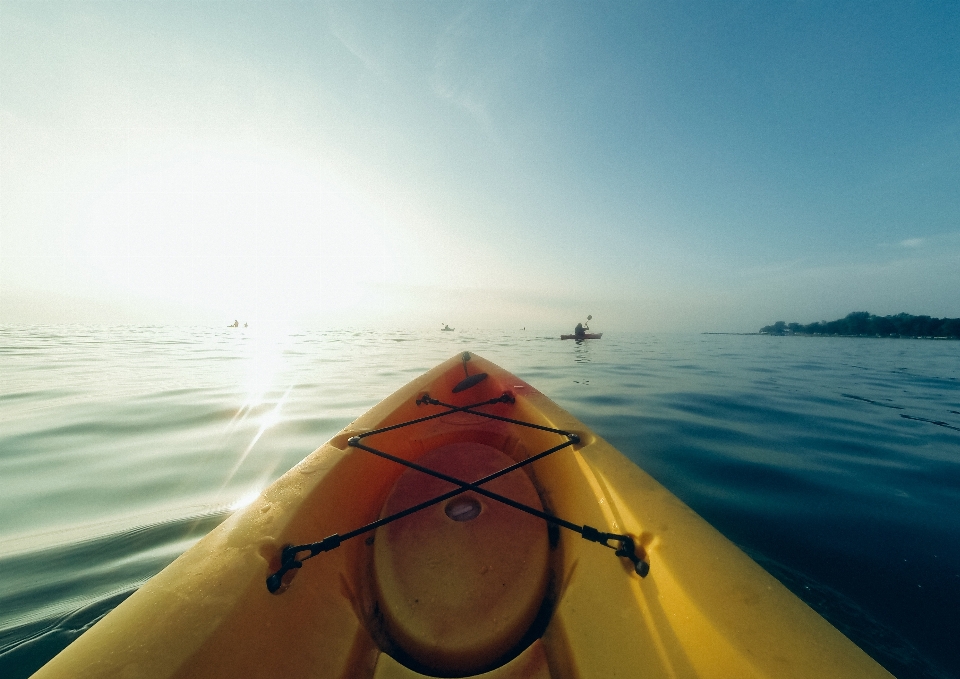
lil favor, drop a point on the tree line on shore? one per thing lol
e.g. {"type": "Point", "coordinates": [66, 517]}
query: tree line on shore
{"type": "Point", "coordinates": [864, 323]}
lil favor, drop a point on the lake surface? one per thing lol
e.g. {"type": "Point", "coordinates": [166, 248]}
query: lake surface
{"type": "Point", "coordinates": [834, 462]}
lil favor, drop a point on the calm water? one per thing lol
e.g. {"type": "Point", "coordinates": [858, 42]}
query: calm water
{"type": "Point", "coordinates": [834, 462]}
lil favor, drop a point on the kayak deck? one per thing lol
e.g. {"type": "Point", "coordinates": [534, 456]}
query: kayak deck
{"type": "Point", "coordinates": [468, 586]}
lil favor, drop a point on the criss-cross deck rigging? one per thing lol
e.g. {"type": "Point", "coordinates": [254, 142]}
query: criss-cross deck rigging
{"type": "Point", "coordinates": [291, 556]}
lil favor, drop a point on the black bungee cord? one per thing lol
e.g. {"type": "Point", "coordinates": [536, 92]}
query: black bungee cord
{"type": "Point", "coordinates": [625, 547]}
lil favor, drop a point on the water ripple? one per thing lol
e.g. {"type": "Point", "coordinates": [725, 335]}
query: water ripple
{"type": "Point", "coordinates": [833, 461]}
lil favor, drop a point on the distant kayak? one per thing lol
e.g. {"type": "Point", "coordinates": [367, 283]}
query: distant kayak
{"type": "Point", "coordinates": [589, 335]}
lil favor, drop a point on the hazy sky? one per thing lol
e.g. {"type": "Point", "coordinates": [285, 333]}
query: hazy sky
{"type": "Point", "coordinates": [664, 166]}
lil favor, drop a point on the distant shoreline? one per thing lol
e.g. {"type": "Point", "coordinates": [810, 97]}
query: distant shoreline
{"type": "Point", "coordinates": [805, 334]}
{"type": "Point", "coordinates": [865, 324]}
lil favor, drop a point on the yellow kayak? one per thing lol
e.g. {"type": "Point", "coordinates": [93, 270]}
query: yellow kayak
{"type": "Point", "coordinates": [465, 526]}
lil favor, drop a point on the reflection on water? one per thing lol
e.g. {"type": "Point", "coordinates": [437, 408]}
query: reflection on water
{"type": "Point", "coordinates": [581, 351]}
{"type": "Point", "coordinates": [834, 462]}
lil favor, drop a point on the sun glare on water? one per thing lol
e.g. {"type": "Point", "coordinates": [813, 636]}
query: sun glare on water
{"type": "Point", "coordinates": [264, 365]}
{"type": "Point", "coordinates": [264, 394]}
{"type": "Point", "coordinates": [244, 500]}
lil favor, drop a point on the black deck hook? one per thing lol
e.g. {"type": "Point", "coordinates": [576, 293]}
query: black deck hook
{"type": "Point", "coordinates": [469, 380]}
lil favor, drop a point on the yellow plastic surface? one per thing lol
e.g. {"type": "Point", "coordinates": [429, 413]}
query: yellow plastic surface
{"type": "Point", "coordinates": [458, 589]}
{"type": "Point", "coordinates": [705, 609]}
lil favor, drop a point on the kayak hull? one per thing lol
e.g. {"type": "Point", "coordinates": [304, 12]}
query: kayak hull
{"type": "Point", "coordinates": [704, 610]}
{"type": "Point", "coordinates": [589, 335]}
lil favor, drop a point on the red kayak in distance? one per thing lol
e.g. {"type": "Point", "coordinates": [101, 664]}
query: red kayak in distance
{"type": "Point", "coordinates": [589, 335]}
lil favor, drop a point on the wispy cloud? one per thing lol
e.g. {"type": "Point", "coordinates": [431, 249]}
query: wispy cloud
{"type": "Point", "coordinates": [912, 242]}
{"type": "Point", "coordinates": [481, 56]}
{"type": "Point", "coordinates": [456, 78]}
{"type": "Point", "coordinates": [345, 31]}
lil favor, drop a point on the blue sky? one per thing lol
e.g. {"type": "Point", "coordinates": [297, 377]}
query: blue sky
{"type": "Point", "coordinates": [664, 166]}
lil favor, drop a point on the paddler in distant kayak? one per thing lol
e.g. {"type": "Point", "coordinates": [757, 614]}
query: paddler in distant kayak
{"type": "Point", "coordinates": [582, 328]}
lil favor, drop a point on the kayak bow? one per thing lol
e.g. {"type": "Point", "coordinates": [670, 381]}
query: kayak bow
{"type": "Point", "coordinates": [434, 561]}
